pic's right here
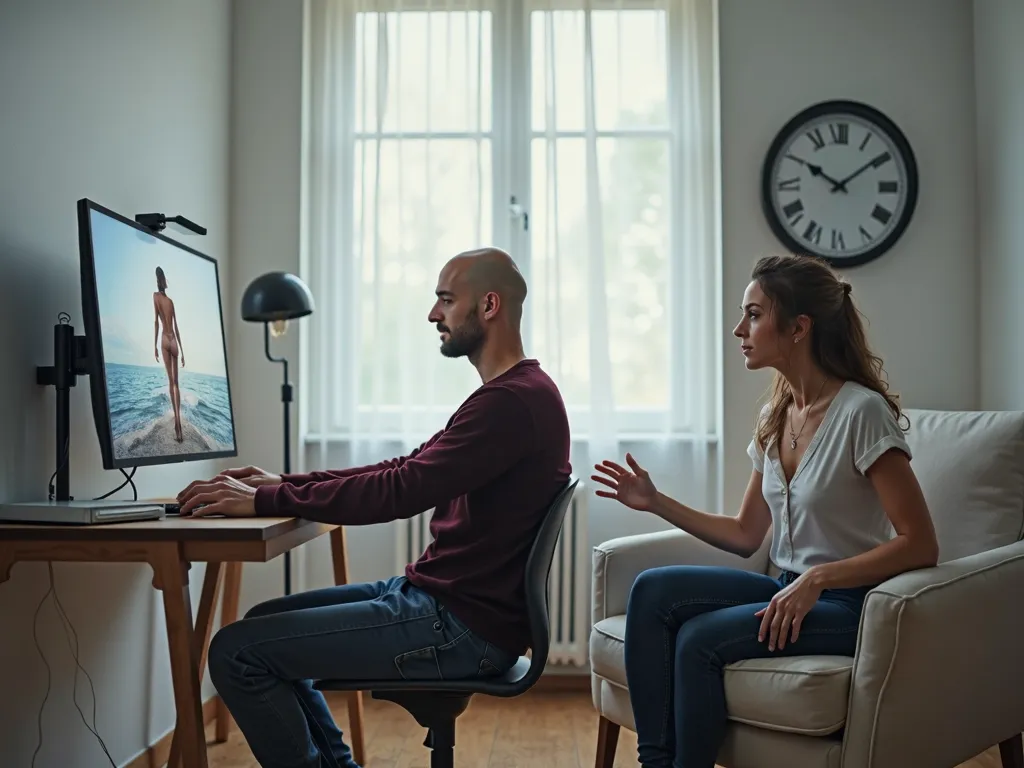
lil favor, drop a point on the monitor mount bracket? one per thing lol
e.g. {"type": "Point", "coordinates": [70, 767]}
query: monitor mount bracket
{"type": "Point", "coordinates": [157, 222]}
{"type": "Point", "coordinates": [70, 355]}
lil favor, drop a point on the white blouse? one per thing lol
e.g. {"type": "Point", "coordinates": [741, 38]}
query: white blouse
{"type": "Point", "coordinates": [830, 510]}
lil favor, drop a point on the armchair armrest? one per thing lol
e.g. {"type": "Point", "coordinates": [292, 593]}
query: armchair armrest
{"type": "Point", "coordinates": [938, 676]}
{"type": "Point", "coordinates": [618, 562]}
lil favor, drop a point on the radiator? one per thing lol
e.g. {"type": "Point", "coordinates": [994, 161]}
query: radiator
{"type": "Point", "coordinates": [568, 583]}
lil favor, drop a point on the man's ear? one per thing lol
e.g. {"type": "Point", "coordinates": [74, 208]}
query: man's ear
{"type": "Point", "coordinates": [490, 303]}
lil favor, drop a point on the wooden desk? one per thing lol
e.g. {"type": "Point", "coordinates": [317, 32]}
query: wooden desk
{"type": "Point", "coordinates": [170, 546]}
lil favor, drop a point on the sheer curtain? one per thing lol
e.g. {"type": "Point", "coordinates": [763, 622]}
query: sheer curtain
{"type": "Point", "coordinates": [580, 136]}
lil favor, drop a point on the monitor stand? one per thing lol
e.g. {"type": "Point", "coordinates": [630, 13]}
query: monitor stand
{"type": "Point", "coordinates": [70, 354]}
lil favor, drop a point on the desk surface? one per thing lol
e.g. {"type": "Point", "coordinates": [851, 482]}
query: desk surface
{"type": "Point", "coordinates": [237, 529]}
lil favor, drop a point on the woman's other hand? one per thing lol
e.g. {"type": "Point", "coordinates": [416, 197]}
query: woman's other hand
{"type": "Point", "coordinates": [632, 488]}
{"type": "Point", "coordinates": [782, 617]}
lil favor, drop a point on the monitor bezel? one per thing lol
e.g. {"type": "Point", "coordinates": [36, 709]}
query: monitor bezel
{"type": "Point", "coordinates": [94, 342]}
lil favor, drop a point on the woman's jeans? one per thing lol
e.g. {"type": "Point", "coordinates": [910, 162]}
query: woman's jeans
{"type": "Point", "coordinates": [683, 625]}
{"type": "Point", "coordinates": [263, 666]}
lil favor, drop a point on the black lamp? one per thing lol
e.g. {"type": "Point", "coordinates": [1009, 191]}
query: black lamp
{"type": "Point", "coordinates": [273, 299]}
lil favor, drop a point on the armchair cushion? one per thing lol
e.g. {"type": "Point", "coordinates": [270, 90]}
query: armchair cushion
{"type": "Point", "coordinates": [970, 469]}
{"type": "Point", "coordinates": [797, 694]}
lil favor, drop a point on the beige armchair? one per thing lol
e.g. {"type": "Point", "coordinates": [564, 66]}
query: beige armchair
{"type": "Point", "coordinates": [938, 672]}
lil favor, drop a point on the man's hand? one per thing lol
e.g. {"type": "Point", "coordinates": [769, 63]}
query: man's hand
{"type": "Point", "coordinates": [253, 476]}
{"type": "Point", "coordinates": [220, 496]}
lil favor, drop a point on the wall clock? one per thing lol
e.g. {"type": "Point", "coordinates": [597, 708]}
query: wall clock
{"type": "Point", "coordinates": [839, 182]}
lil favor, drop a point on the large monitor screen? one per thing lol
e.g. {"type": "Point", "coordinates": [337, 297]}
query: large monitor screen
{"type": "Point", "coordinates": [155, 335]}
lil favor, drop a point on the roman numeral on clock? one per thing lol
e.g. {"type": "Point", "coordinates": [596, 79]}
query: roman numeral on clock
{"type": "Point", "coordinates": [840, 133]}
{"type": "Point", "coordinates": [816, 138]}
{"type": "Point", "coordinates": [813, 232]}
{"type": "Point", "coordinates": [790, 185]}
{"type": "Point", "coordinates": [838, 244]}
{"type": "Point", "coordinates": [881, 214]}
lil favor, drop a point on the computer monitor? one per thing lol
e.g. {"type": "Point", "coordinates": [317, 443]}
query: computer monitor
{"type": "Point", "coordinates": [156, 351]}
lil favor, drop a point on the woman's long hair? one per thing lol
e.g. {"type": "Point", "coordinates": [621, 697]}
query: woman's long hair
{"type": "Point", "coordinates": [802, 285]}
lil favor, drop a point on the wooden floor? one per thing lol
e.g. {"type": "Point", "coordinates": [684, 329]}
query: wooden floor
{"type": "Point", "coordinates": [536, 730]}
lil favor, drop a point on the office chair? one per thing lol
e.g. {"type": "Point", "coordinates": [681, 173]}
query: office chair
{"type": "Point", "coordinates": [437, 704]}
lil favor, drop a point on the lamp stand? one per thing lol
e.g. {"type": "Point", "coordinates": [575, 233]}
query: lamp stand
{"type": "Point", "coordinates": [286, 403]}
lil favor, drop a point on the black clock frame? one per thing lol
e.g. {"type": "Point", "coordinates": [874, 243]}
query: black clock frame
{"type": "Point", "coordinates": [815, 112]}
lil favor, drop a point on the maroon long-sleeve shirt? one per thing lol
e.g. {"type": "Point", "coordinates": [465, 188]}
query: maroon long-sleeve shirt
{"type": "Point", "coordinates": [490, 475]}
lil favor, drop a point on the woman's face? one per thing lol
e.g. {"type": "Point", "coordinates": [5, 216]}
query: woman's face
{"type": "Point", "coordinates": [760, 341]}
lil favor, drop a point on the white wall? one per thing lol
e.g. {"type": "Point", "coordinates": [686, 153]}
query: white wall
{"type": "Point", "coordinates": [913, 60]}
{"type": "Point", "coordinates": [125, 102]}
{"type": "Point", "coordinates": [266, 125]}
{"type": "Point", "coordinates": [999, 80]}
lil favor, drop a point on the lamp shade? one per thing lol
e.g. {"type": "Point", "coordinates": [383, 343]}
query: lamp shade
{"type": "Point", "coordinates": [276, 296]}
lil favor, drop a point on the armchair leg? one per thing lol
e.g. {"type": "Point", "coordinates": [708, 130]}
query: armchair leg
{"type": "Point", "coordinates": [608, 739]}
{"type": "Point", "coordinates": [1011, 752]}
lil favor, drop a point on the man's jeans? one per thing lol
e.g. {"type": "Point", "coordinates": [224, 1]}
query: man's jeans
{"type": "Point", "coordinates": [683, 625]}
{"type": "Point", "coordinates": [263, 666]}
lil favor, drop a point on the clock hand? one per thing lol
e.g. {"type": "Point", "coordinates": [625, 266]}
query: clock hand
{"type": "Point", "coordinates": [816, 171]}
{"type": "Point", "coordinates": [873, 162]}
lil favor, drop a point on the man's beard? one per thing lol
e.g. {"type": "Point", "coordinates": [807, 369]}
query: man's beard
{"type": "Point", "coordinates": [464, 340]}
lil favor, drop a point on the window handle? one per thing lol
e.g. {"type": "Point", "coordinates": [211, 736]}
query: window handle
{"type": "Point", "coordinates": [516, 211]}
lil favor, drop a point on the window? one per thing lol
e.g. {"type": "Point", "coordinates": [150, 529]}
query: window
{"type": "Point", "coordinates": [575, 135]}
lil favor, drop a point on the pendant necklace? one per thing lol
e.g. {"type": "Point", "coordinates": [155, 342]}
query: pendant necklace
{"type": "Point", "coordinates": [794, 436]}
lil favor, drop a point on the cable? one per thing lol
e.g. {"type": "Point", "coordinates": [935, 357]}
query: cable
{"type": "Point", "coordinates": [128, 481]}
{"type": "Point", "coordinates": [63, 461]}
{"type": "Point", "coordinates": [35, 636]}
{"type": "Point", "coordinates": [72, 638]}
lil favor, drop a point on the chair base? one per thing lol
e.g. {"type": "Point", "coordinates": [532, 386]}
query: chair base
{"type": "Point", "coordinates": [437, 712]}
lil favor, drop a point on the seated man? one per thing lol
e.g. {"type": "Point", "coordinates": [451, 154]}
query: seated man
{"type": "Point", "coordinates": [459, 611]}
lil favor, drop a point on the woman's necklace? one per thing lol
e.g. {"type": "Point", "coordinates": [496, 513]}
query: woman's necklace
{"type": "Point", "coordinates": [794, 436]}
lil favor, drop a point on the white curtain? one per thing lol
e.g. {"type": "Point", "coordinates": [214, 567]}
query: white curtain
{"type": "Point", "coordinates": [580, 136]}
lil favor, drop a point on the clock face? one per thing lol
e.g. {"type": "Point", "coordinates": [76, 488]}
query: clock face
{"type": "Point", "coordinates": [839, 182]}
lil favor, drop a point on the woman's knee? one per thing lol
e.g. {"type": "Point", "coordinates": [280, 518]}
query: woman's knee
{"type": "Point", "coordinates": [656, 588]}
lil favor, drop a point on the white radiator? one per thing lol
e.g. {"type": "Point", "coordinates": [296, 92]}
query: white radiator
{"type": "Point", "coordinates": [568, 583]}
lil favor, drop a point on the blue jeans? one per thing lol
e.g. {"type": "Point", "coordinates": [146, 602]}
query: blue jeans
{"type": "Point", "coordinates": [263, 666]}
{"type": "Point", "coordinates": [683, 625]}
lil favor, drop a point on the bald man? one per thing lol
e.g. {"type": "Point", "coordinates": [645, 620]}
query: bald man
{"type": "Point", "coordinates": [457, 612]}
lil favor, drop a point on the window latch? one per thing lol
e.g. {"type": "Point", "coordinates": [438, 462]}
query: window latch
{"type": "Point", "coordinates": [516, 211]}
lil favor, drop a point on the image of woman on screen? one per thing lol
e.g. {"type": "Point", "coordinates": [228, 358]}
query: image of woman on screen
{"type": "Point", "coordinates": [170, 344]}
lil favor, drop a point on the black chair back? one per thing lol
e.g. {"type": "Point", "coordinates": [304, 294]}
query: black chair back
{"type": "Point", "coordinates": [538, 571]}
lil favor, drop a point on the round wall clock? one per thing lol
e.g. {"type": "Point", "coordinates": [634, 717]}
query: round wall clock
{"type": "Point", "coordinates": [839, 182]}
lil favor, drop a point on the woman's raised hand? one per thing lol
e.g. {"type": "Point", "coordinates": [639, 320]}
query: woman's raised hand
{"type": "Point", "coordinates": [632, 488]}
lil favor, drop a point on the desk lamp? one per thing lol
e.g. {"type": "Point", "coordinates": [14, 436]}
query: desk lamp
{"type": "Point", "coordinates": [273, 299]}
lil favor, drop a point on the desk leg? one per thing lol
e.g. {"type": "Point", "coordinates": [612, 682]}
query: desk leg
{"type": "Point", "coordinates": [339, 556]}
{"type": "Point", "coordinates": [170, 575]}
{"type": "Point", "coordinates": [201, 639]}
{"type": "Point", "coordinates": [228, 614]}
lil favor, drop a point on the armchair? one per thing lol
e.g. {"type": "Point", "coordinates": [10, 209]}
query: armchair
{"type": "Point", "coordinates": [937, 676]}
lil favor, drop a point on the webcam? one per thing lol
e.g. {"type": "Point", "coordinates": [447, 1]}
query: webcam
{"type": "Point", "coordinates": [157, 222]}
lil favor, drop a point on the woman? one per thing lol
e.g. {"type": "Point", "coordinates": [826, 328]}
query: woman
{"type": "Point", "coordinates": [831, 472]}
{"type": "Point", "coordinates": [170, 344]}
